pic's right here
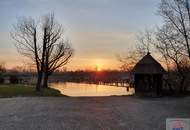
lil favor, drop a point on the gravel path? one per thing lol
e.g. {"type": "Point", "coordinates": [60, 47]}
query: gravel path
{"type": "Point", "coordinates": [95, 113]}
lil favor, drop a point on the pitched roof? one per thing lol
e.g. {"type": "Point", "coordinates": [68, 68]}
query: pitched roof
{"type": "Point", "coordinates": [148, 65]}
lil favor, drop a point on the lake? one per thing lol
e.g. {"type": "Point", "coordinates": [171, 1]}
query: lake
{"type": "Point", "coordinates": [82, 90]}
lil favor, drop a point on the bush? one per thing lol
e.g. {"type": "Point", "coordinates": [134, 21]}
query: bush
{"type": "Point", "coordinates": [14, 80]}
{"type": "Point", "coordinates": [1, 80]}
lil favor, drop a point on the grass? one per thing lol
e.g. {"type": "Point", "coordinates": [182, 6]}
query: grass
{"type": "Point", "coordinates": [16, 90]}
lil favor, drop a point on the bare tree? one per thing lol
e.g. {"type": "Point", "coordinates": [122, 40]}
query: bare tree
{"type": "Point", "coordinates": [25, 35]}
{"type": "Point", "coordinates": [43, 44]}
{"type": "Point", "coordinates": [167, 44]}
{"type": "Point", "coordinates": [58, 51]}
{"type": "Point", "coordinates": [143, 46]}
{"type": "Point", "coordinates": [144, 42]}
{"type": "Point", "coordinates": [176, 15]}
{"type": "Point", "coordinates": [128, 61]}
{"type": "Point", "coordinates": [174, 35]}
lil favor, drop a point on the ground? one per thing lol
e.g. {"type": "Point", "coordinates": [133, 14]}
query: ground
{"type": "Point", "coordinates": [18, 90]}
{"type": "Point", "coordinates": [95, 113]}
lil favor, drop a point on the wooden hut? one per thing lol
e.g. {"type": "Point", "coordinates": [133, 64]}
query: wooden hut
{"type": "Point", "coordinates": [148, 74]}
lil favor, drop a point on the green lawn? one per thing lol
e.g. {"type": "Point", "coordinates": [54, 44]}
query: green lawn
{"type": "Point", "coordinates": [13, 90]}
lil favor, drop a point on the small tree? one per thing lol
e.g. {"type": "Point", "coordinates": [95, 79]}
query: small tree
{"type": "Point", "coordinates": [144, 42]}
{"type": "Point", "coordinates": [142, 47]}
{"type": "Point", "coordinates": [128, 61]}
{"type": "Point", "coordinates": [2, 70]}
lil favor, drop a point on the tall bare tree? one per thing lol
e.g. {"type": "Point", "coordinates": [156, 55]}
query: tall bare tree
{"type": "Point", "coordinates": [27, 43]}
{"type": "Point", "coordinates": [43, 43]}
{"type": "Point", "coordinates": [167, 44]}
{"type": "Point", "coordinates": [173, 37]}
{"type": "Point", "coordinates": [176, 15]}
{"type": "Point", "coordinates": [57, 50]}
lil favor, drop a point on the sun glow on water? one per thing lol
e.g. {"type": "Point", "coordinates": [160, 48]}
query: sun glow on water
{"type": "Point", "coordinates": [82, 90]}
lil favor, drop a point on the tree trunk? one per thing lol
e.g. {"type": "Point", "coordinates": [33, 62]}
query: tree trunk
{"type": "Point", "coordinates": [45, 81]}
{"type": "Point", "coordinates": [182, 85]}
{"type": "Point", "coordinates": [39, 80]}
{"type": "Point", "coordinates": [170, 88]}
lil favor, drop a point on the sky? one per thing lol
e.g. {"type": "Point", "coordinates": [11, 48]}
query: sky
{"type": "Point", "coordinates": [98, 30]}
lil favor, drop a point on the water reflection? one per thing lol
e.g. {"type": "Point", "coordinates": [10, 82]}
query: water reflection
{"type": "Point", "coordinates": [77, 90]}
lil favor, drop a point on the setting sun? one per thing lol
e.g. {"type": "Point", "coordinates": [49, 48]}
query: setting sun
{"type": "Point", "coordinates": [98, 68]}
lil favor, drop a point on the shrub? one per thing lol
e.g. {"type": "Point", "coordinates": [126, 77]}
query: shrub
{"type": "Point", "coordinates": [14, 80]}
{"type": "Point", "coordinates": [1, 80]}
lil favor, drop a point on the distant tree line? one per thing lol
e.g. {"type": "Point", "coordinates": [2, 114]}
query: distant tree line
{"type": "Point", "coordinates": [78, 76]}
{"type": "Point", "coordinates": [90, 76]}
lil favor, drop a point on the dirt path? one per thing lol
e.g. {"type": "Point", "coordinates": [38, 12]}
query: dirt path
{"type": "Point", "coordinates": [97, 113]}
